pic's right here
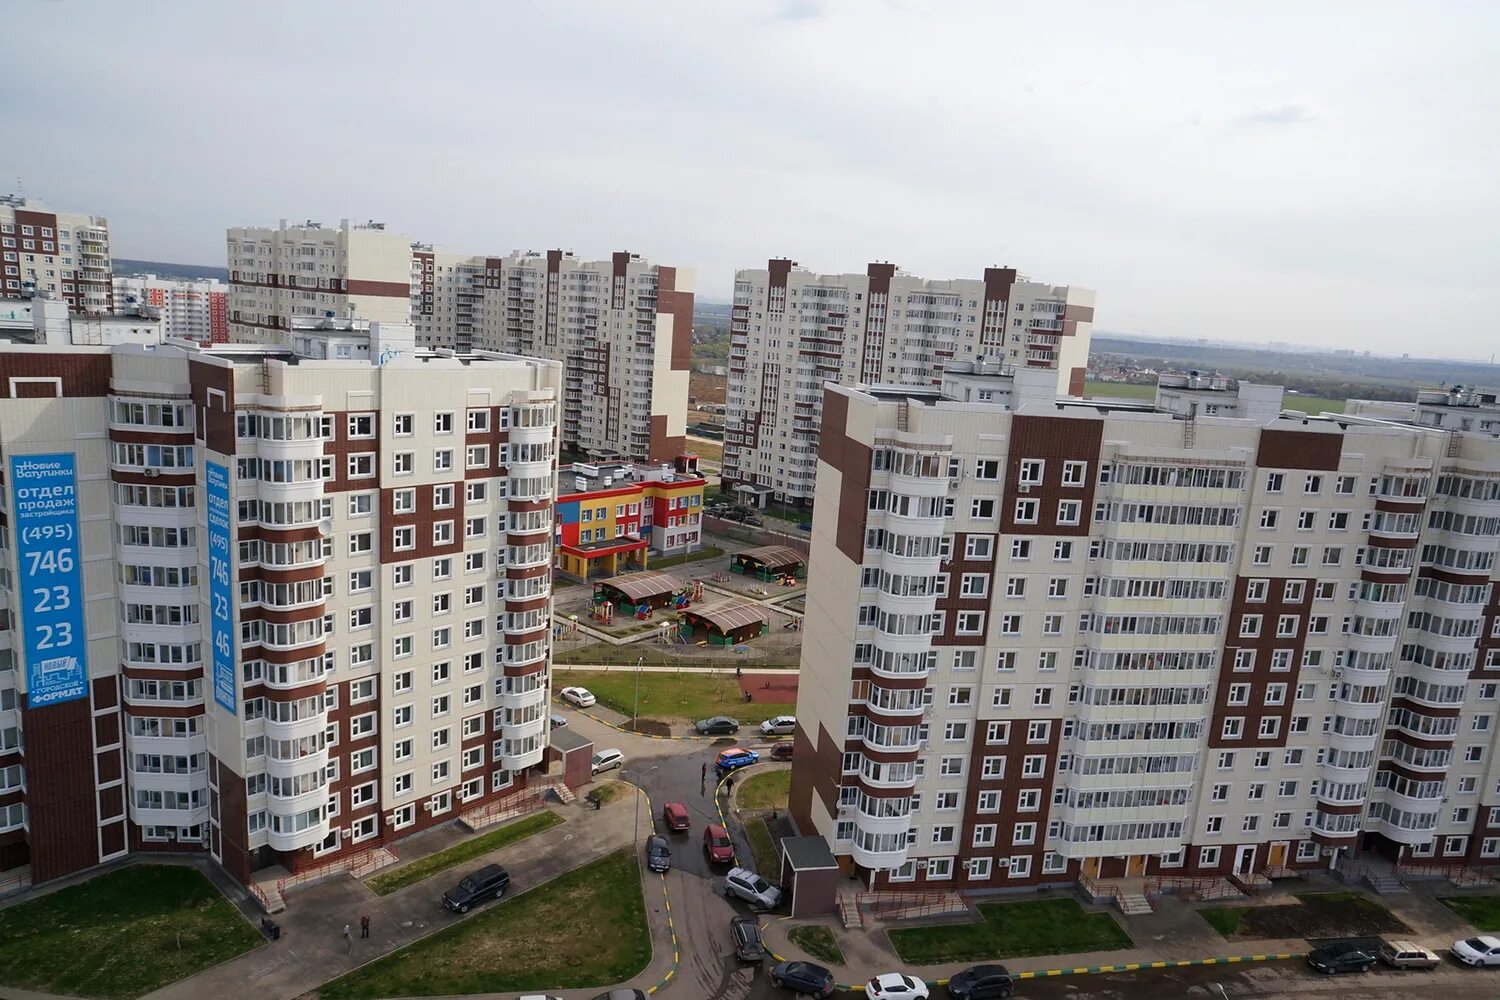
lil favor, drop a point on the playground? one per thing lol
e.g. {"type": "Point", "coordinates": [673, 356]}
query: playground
{"type": "Point", "coordinates": [627, 606]}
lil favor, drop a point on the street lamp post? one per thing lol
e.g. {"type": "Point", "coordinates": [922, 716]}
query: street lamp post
{"type": "Point", "coordinates": [635, 708]}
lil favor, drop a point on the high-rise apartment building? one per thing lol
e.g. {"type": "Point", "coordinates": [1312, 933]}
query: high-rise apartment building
{"type": "Point", "coordinates": [65, 254]}
{"type": "Point", "coordinates": [622, 327]}
{"type": "Point", "coordinates": [792, 330]}
{"type": "Point", "coordinates": [1048, 640]}
{"type": "Point", "coordinates": [196, 310]}
{"type": "Point", "coordinates": [269, 609]}
{"type": "Point", "coordinates": [353, 271]}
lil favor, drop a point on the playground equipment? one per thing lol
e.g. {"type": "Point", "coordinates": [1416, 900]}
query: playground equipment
{"type": "Point", "coordinates": [787, 580]}
{"type": "Point", "coordinates": [603, 612]}
{"type": "Point", "coordinates": [697, 590]}
{"type": "Point", "coordinates": [643, 612]}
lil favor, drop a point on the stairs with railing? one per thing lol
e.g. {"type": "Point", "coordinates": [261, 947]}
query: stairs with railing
{"type": "Point", "coordinates": [1196, 888]}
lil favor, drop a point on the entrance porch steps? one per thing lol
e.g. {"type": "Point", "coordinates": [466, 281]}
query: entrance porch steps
{"type": "Point", "coordinates": [1133, 904]}
{"type": "Point", "coordinates": [849, 912]}
{"type": "Point", "coordinates": [1384, 883]}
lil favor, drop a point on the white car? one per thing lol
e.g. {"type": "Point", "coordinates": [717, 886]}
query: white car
{"type": "Point", "coordinates": [896, 986]}
{"type": "Point", "coordinates": [1483, 950]}
{"type": "Point", "coordinates": [750, 887]}
{"type": "Point", "coordinates": [608, 760]}
{"type": "Point", "coordinates": [582, 697]}
{"type": "Point", "coordinates": [782, 725]}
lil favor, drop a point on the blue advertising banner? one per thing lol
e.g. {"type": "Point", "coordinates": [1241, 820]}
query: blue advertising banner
{"type": "Point", "coordinates": [44, 497]}
{"type": "Point", "coordinates": [226, 676]}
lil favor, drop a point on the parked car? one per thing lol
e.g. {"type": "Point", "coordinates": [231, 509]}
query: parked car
{"type": "Point", "coordinates": [752, 888]}
{"type": "Point", "coordinates": [782, 751]}
{"type": "Point", "coordinates": [716, 844]}
{"type": "Point", "coordinates": [1482, 950]}
{"type": "Point", "coordinates": [735, 758]}
{"type": "Point", "coordinates": [489, 882]}
{"type": "Point", "coordinates": [982, 982]}
{"type": "Point", "coordinates": [537, 996]}
{"type": "Point", "coordinates": [744, 932]}
{"type": "Point", "coordinates": [622, 995]}
{"type": "Point", "coordinates": [580, 696]}
{"type": "Point", "coordinates": [803, 978]}
{"type": "Point", "coordinates": [1406, 955]}
{"type": "Point", "coordinates": [558, 720]}
{"type": "Point", "coordinates": [675, 815]}
{"type": "Point", "coordinates": [719, 725]}
{"type": "Point", "coordinates": [896, 986]}
{"type": "Point", "coordinates": [782, 725]}
{"type": "Point", "coordinates": [804, 526]}
{"type": "Point", "coordinates": [658, 854]}
{"type": "Point", "coordinates": [1340, 957]}
{"type": "Point", "coordinates": [608, 760]}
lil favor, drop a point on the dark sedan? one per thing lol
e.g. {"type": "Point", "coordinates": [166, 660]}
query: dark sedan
{"type": "Point", "coordinates": [658, 854]}
{"type": "Point", "coordinates": [981, 982]}
{"type": "Point", "coordinates": [719, 725]}
{"type": "Point", "coordinates": [745, 933]}
{"type": "Point", "coordinates": [803, 977]}
{"type": "Point", "coordinates": [1336, 958]}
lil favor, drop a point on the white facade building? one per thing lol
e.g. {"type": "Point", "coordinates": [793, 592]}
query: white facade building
{"type": "Point", "coordinates": [65, 254]}
{"type": "Point", "coordinates": [792, 330]}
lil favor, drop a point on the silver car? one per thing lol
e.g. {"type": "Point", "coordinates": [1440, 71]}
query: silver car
{"type": "Point", "coordinates": [782, 725]}
{"type": "Point", "coordinates": [750, 887]}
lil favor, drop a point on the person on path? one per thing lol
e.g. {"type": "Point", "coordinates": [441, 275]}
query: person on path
{"type": "Point", "coordinates": [729, 787]}
{"type": "Point", "coordinates": [703, 772]}
{"type": "Point", "coordinates": [364, 926]}
{"type": "Point", "coordinates": [348, 939]}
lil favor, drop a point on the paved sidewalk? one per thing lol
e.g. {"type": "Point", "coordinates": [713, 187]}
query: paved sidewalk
{"type": "Point", "coordinates": [312, 950]}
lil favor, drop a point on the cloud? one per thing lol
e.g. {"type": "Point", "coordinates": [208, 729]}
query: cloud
{"type": "Point", "coordinates": [1286, 114]}
{"type": "Point", "coordinates": [798, 10]}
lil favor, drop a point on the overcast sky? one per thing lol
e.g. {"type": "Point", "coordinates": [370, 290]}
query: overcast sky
{"type": "Point", "coordinates": [1307, 172]}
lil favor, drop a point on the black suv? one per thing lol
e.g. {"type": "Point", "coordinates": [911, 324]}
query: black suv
{"type": "Point", "coordinates": [803, 977]}
{"type": "Point", "coordinates": [658, 854]}
{"type": "Point", "coordinates": [745, 933]}
{"type": "Point", "coordinates": [489, 882]}
{"type": "Point", "coordinates": [981, 982]}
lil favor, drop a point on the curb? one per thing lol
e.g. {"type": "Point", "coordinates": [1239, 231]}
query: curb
{"type": "Point", "coordinates": [1089, 970]}
{"type": "Point", "coordinates": [666, 898]}
{"type": "Point", "coordinates": [632, 732]}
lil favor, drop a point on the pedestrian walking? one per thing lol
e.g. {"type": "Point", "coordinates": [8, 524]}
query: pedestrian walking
{"type": "Point", "coordinates": [729, 785]}
{"type": "Point", "coordinates": [703, 772]}
{"type": "Point", "coordinates": [364, 926]}
{"type": "Point", "coordinates": [348, 939]}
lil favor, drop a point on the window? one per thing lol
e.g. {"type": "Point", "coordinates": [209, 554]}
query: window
{"type": "Point", "coordinates": [982, 507]}
{"type": "Point", "coordinates": [401, 425]}
{"type": "Point", "coordinates": [987, 468]}
{"type": "Point", "coordinates": [405, 463]}
{"type": "Point", "coordinates": [403, 538]}
{"type": "Point", "coordinates": [361, 466]}
{"type": "Point", "coordinates": [978, 547]}
{"type": "Point", "coordinates": [1305, 520]}
{"type": "Point", "coordinates": [951, 767]}
{"type": "Point", "coordinates": [442, 423]}
{"type": "Point", "coordinates": [1268, 517]}
{"type": "Point", "coordinates": [1020, 548]}
{"type": "Point", "coordinates": [1027, 511]}
{"type": "Point", "coordinates": [1233, 728]}
{"type": "Point", "coordinates": [1069, 511]}
{"type": "Point", "coordinates": [1031, 471]}
{"type": "Point", "coordinates": [1249, 626]}
{"type": "Point", "coordinates": [361, 425]}
{"type": "Point", "coordinates": [1262, 555]}
{"type": "Point", "coordinates": [479, 420]}
{"type": "Point", "coordinates": [1275, 482]}
{"type": "Point", "coordinates": [1074, 472]}
{"type": "Point", "coordinates": [442, 459]}
{"type": "Point", "coordinates": [1286, 626]}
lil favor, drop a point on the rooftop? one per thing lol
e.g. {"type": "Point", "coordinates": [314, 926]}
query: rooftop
{"type": "Point", "coordinates": [591, 477]}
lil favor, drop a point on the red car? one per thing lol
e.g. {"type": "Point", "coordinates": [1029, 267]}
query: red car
{"type": "Point", "coordinates": [717, 845]}
{"type": "Point", "coordinates": [675, 815]}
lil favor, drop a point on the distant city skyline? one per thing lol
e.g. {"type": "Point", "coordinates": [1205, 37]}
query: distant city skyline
{"type": "Point", "coordinates": [1208, 170]}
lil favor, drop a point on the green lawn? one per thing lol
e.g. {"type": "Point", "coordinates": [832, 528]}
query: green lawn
{"type": "Point", "coordinates": [122, 934]}
{"type": "Point", "coordinates": [1130, 390]}
{"type": "Point", "coordinates": [1012, 930]}
{"type": "Point", "coordinates": [1312, 915]}
{"type": "Point", "coordinates": [689, 697]}
{"type": "Point", "coordinates": [767, 859]}
{"type": "Point", "coordinates": [654, 656]}
{"type": "Point", "coordinates": [583, 929]}
{"type": "Point", "coordinates": [392, 879]}
{"type": "Point", "coordinates": [1481, 911]}
{"type": "Point", "coordinates": [818, 941]}
{"type": "Point", "coordinates": [1224, 919]}
{"type": "Point", "coordinates": [768, 790]}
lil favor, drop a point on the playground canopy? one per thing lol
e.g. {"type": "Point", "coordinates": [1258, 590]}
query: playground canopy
{"type": "Point", "coordinates": [735, 621]}
{"type": "Point", "coordinates": [655, 589]}
{"type": "Point", "coordinates": [767, 560]}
